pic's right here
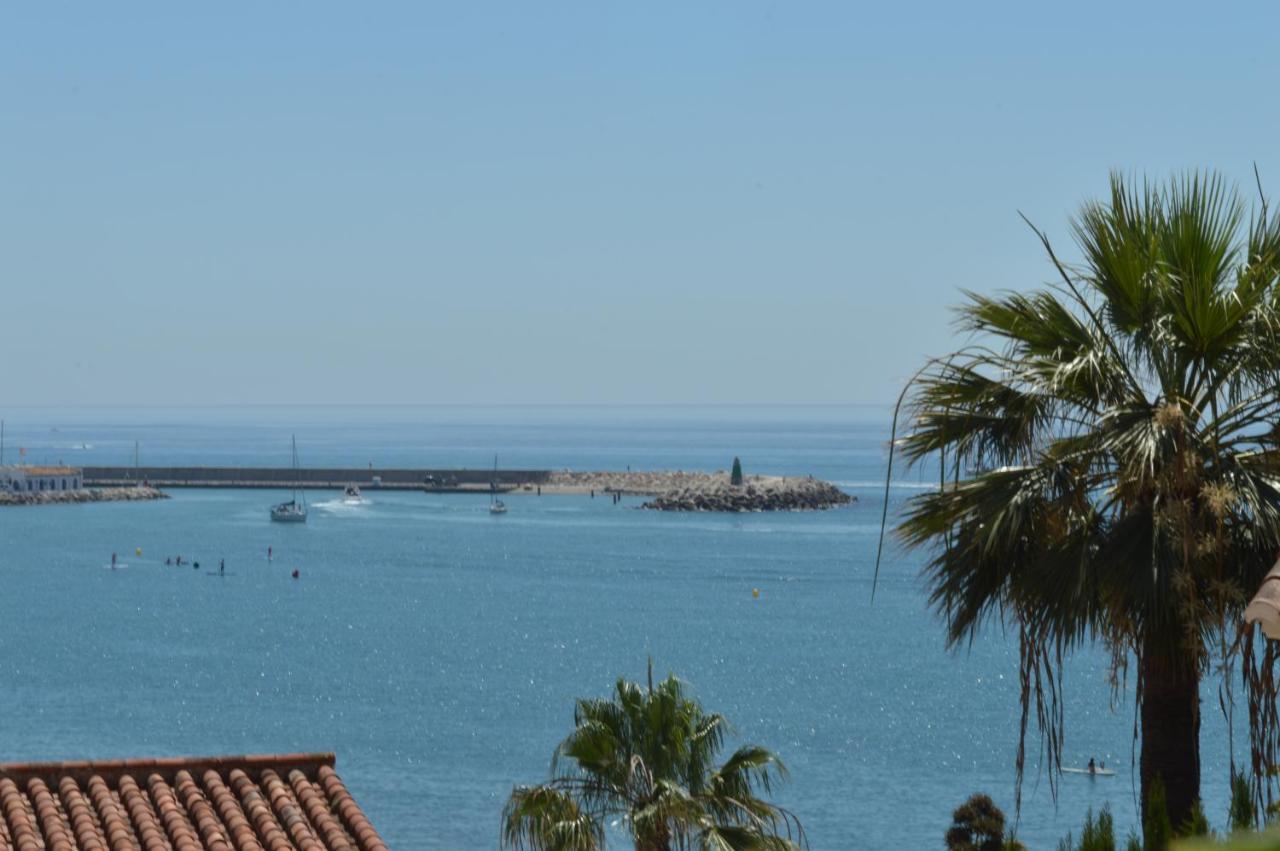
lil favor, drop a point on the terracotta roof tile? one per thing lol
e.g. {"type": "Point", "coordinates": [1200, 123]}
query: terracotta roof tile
{"type": "Point", "coordinates": [284, 802]}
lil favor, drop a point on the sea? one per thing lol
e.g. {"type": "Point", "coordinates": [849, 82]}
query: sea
{"type": "Point", "coordinates": [438, 650]}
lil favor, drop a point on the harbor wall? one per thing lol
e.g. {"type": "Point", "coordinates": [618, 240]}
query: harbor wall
{"type": "Point", "coordinates": [312, 477]}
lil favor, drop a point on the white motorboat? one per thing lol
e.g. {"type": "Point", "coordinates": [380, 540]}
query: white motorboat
{"type": "Point", "coordinates": [351, 495]}
{"type": "Point", "coordinates": [295, 510]}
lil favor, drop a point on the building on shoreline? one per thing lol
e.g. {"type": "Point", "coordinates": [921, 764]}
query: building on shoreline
{"type": "Point", "coordinates": [23, 479]}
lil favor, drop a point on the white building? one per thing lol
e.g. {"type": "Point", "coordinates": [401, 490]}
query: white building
{"type": "Point", "coordinates": [36, 479]}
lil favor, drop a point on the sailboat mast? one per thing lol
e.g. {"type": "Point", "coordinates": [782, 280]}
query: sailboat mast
{"type": "Point", "coordinates": [297, 477]}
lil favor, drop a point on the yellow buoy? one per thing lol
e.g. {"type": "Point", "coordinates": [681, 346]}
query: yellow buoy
{"type": "Point", "coordinates": [138, 552]}
{"type": "Point", "coordinates": [755, 592]}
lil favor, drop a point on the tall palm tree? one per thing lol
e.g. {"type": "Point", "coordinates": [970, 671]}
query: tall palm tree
{"type": "Point", "coordinates": [646, 760]}
{"type": "Point", "coordinates": [1109, 462]}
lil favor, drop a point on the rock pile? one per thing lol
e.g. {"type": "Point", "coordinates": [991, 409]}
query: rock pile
{"type": "Point", "coordinates": [86, 495]}
{"type": "Point", "coordinates": [757, 495]}
{"type": "Point", "coordinates": [678, 490]}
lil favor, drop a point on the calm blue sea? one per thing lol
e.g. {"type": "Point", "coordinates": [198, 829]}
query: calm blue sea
{"type": "Point", "coordinates": [438, 649]}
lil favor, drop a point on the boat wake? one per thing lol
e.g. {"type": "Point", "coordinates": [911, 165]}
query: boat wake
{"type": "Point", "coordinates": [896, 484]}
{"type": "Point", "coordinates": [342, 506]}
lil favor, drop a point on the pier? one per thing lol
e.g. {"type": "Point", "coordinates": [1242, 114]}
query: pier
{"type": "Point", "coordinates": [320, 478]}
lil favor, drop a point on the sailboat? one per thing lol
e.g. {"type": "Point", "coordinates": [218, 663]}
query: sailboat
{"type": "Point", "coordinates": [496, 506]}
{"type": "Point", "coordinates": [295, 510]}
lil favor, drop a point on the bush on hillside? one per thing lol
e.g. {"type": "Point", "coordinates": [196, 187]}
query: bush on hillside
{"type": "Point", "coordinates": [976, 825]}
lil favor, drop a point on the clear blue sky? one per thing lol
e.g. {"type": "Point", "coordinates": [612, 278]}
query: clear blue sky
{"type": "Point", "coordinates": [593, 202]}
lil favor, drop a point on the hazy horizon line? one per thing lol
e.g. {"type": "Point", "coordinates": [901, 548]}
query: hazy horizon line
{"type": "Point", "coordinates": [208, 405]}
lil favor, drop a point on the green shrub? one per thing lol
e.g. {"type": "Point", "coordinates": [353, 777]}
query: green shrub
{"type": "Point", "coordinates": [1197, 824]}
{"type": "Point", "coordinates": [1157, 831]}
{"type": "Point", "coordinates": [1099, 835]}
{"type": "Point", "coordinates": [1242, 814]}
{"type": "Point", "coordinates": [976, 825]}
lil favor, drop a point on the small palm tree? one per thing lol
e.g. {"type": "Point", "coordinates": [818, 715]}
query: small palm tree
{"type": "Point", "coordinates": [645, 759]}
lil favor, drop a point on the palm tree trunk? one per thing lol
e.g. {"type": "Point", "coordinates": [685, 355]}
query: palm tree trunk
{"type": "Point", "coordinates": [1170, 728]}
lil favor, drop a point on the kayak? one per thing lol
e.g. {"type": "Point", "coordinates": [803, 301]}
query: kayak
{"type": "Point", "coordinates": [1099, 772]}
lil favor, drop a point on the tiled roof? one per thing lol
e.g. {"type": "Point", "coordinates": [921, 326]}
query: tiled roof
{"type": "Point", "coordinates": [284, 802]}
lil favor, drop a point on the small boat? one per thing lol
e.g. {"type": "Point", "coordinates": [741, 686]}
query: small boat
{"type": "Point", "coordinates": [289, 512]}
{"type": "Point", "coordinates": [351, 495]}
{"type": "Point", "coordinates": [1096, 772]}
{"type": "Point", "coordinates": [496, 506]}
{"type": "Point", "coordinates": [295, 510]}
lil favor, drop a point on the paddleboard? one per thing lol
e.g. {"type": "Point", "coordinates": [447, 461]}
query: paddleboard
{"type": "Point", "coordinates": [1097, 772]}
{"type": "Point", "coordinates": [120, 566]}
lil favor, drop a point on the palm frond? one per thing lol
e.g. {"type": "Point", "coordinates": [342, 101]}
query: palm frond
{"type": "Point", "coordinates": [544, 818]}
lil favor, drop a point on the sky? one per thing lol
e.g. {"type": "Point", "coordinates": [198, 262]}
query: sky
{"type": "Point", "coordinates": [568, 203]}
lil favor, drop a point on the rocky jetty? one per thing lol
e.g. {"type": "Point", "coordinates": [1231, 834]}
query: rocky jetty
{"type": "Point", "coordinates": [756, 494]}
{"type": "Point", "coordinates": [129, 494]}
{"type": "Point", "coordinates": [677, 490]}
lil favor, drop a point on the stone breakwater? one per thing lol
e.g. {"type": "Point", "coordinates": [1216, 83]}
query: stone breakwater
{"type": "Point", "coordinates": [764, 495]}
{"type": "Point", "coordinates": [130, 494]}
{"type": "Point", "coordinates": [681, 491]}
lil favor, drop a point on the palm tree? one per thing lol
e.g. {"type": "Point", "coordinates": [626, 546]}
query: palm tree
{"type": "Point", "coordinates": [645, 759]}
{"type": "Point", "coordinates": [1109, 464]}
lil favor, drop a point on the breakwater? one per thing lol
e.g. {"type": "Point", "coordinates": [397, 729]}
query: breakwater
{"type": "Point", "coordinates": [328, 478]}
{"type": "Point", "coordinates": [672, 490]}
{"type": "Point", "coordinates": [115, 494]}
{"type": "Point", "coordinates": [678, 490]}
{"type": "Point", "coordinates": [763, 493]}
